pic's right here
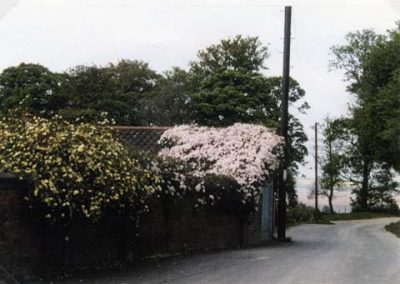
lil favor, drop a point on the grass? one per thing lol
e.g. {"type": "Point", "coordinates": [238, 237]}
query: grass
{"type": "Point", "coordinates": [357, 216]}
{"type": "Point", "coordinates": [328, 219]}
{"type": "Point", "coordinates": [394, 228]}
{"type": "Point", "coordinates": [325, 221]}
{"type": "Point", "coordinates": [320, 222]}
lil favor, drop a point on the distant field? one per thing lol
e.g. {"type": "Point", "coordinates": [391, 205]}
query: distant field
{"type": "Point", "coordinates": [341, 203]}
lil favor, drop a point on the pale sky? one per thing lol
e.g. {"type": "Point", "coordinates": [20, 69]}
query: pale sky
{"type": "Point", "coordinates": [63, 33]}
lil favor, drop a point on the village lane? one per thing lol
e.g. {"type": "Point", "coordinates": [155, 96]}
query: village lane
{"type": "Point", "coordinates": [347, 252]}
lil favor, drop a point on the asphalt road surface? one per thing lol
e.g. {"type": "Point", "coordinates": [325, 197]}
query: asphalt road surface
{"type": "Point", "coordinates": [348, 252]}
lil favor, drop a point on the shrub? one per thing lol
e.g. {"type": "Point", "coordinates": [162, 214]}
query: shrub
{"type": "Point", "coordinates": [73, 170]}
{"type": "Point", "coordinates": [300, 213]}
{"type": "Point", "coordinates": [246, 153]}
{"type": "Point", "coordinates": [223, 193]}
{"type": "Point", "coordinates": [177, 180]}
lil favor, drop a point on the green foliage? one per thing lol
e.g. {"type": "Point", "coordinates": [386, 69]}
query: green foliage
{"type": "Point", "coordinates": [171, 103]}
{"type": "Point", "coordinates": [133, 77]}
{"type": "Point", "coordinates": [229, 97]}
{"type": "Point", "coordinates": [359, 215]}
{"type": "Point", "coordinates": [300, 213]}
{"type": "Point", "coordinates": [85, 88]}
{"type": "Point", "coordinates": [73, 170]}
{"type": "Point", "coordinates": [115, 89]}
{"type": "Point", "coordinates": [372, 63]}
{"type": "Point", "coordinates": [243, 54]}
{"type": "Point", "coordinates": [332, 160]}
{"type": "Point", "coordinates": [394, 228]}
{"type": "Point", "coordinates": [352, 56]}
{"type": "Point", "coordinates": [228, 87]}
{"type": "Point", "coordinates": [381, 192]}
{"type": "Point", "coordinates": [30, 88]}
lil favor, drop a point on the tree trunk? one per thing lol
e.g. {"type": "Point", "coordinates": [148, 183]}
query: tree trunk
{"type": "Point", "coordinates": [330, 198]}
{"type": "Point", "coordinates": [364, 187]}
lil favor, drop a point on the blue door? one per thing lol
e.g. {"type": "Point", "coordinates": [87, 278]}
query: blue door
{"type": "Point", "coordinates": [267, 205]}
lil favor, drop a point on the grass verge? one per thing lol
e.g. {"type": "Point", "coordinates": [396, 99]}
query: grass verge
{"type": "Point", "coordinates": [320, 222]}
{"type": "Point", "coordinates": [394, 228]}
{"type": "Point", "coordinates": [357, 216]}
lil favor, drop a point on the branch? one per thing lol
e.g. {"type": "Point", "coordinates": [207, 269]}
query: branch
{"type": "Point", "coordinates": [351, 180]}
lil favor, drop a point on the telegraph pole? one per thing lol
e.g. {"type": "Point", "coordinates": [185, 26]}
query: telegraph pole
{"type": "Point", "coordinates": [284, 126]}
{"type": "Point", "coordinates": [316, 172]}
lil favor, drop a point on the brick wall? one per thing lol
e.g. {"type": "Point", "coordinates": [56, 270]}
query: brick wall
{"type": "Point", "coordinates": [30, 248]}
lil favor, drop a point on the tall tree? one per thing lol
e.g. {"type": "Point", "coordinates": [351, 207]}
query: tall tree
{"type": "Point", "coordinates": [332, 160]}
{"type": "Point", "coordinates": [371, 63]}
{"type": "Point", "coordinates": [228, 84]}
{"type": "Point", "coordinates": [229, 87]}
{"type": "Point", "coordinates": [246, 54]}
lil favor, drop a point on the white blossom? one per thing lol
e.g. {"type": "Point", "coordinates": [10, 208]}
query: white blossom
{"type": "Point", "coordinates": [245, 152]}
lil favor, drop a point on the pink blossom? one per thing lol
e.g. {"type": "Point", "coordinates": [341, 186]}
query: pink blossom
{"type": "Point", "coordinates": [245, 152]}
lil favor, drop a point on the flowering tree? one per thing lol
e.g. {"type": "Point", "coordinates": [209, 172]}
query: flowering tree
{"type": "Point", "coordinates": [245, 152]}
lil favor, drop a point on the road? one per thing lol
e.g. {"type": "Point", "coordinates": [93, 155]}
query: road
{"type": "Point", "coordinates": [348, 252]}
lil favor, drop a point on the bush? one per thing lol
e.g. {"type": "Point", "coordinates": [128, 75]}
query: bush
{"type": "Point", "coordinates": [223, 193]}
{"type": "Point", "coordinates": [177, 180]}
{"type": "Point", "coordinates": [300, 213]}
{"type": "Point", "coordinates": [247, 153]}
{"type": "Point", "coordinates": [73, 170]}
{"type": "Point", "coordinates": [394, 228]}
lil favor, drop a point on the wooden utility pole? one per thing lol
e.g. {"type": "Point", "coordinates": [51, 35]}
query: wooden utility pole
{"type": "Point", "coordinates": [284, 126]}
{"type": "Point", "coordinates": [316, 172]}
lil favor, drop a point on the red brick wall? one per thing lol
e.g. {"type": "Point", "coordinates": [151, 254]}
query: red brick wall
{"type": "Point", "coordinates": [30, 248]}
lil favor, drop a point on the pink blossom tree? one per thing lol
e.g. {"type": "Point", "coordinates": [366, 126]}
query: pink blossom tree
{"type": "Point", "coordinates": [245, 152]}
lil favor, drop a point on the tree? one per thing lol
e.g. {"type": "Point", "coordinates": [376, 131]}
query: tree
{"type": "Point", "coordinates": [133, 76]}
{"type": "Point", "coordinates": [371, 63]}
{"type": "Point", "coordinates": [228, 83]}
{"type": "Point", "coordinates": [115, 89]}
{"type": "Point", "coordinates": [85, 87]}
{"type": "Point", "coordinates": [380, 99]}
{"type": "Point", "coordinates": [229, 87]}
{"type": "Point", "coordinates": [372, 66]}
{"type": "Point", "coordinates": [30, 88]}
{"type": "Point", "coordinates": [245, 54]}
{"type": "Point", "coordinates": [231, 96]}
{"type": "Point", "coordinates": [332, 160]}
{"type": "Point", "coordinates": [171, 102]}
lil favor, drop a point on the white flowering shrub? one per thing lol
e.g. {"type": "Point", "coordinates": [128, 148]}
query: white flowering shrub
{"type": "Point", "coordinates": [171, 174]}
{"type": "Point", "coordinates": [246, 153]}
{"type": "Point", "coordinates": [176, 180]}
{"type": "Point", "coordinates": [73, 169]}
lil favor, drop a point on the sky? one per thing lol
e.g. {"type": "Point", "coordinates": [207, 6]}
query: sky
{"type": "Point", "coordinates": [61, 34]}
